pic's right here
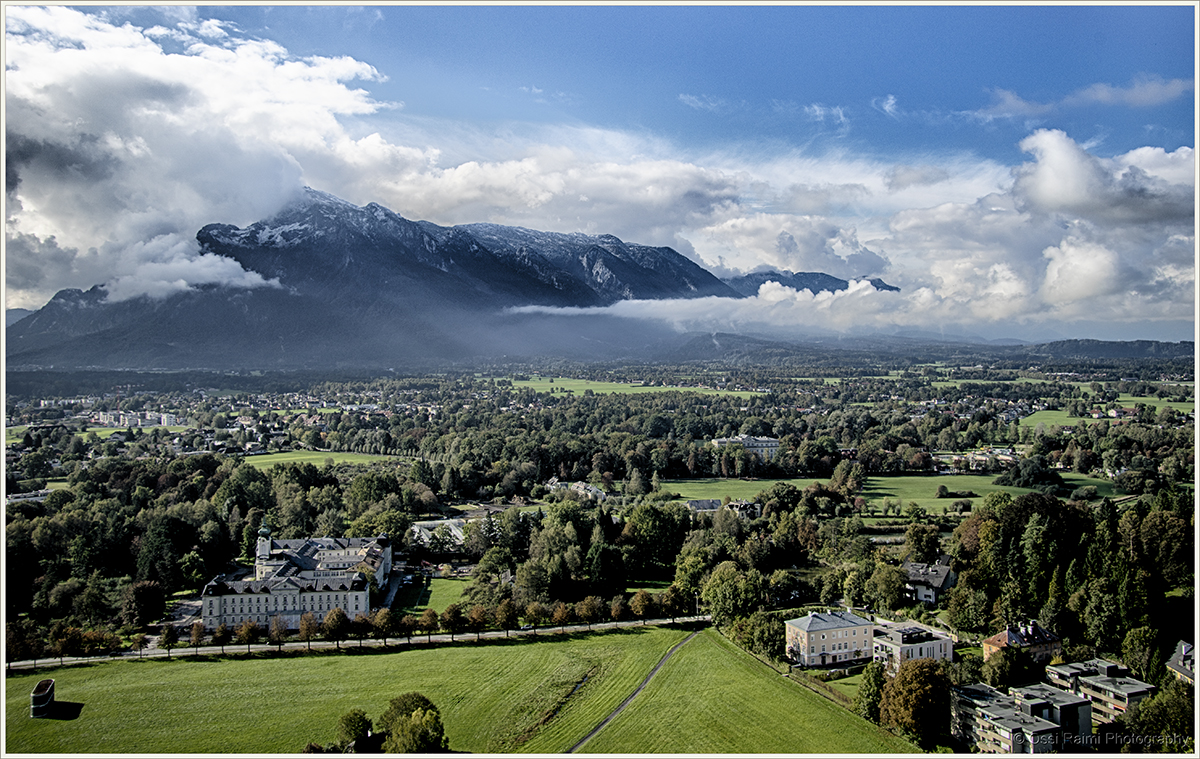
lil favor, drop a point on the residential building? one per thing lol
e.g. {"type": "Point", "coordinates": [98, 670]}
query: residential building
{"type": "Point", "coordinates": [895, 645]}
{"type": "Point", "coordinates": [425, 532]}
{"type": "Point", "coordinates": [1106, 684]}
{"type": "Point", "coordinates": [764, 448]}
{"type": "Point", "coordinates": [992, 722]}
{"type": "Point", "coordinates": [292, 577]}
{"type": "Point", "coordinates": [1070, 711]}
{"type": "Point", "coordinates": [929, 582]}
{"type": "Point", "coordinates": [704, 506]}
{"type": "Point", "coordinates": [828, 638]}
{"type": "Point", "coordinates": [1031, 637]}
{"type": "Point", "coordinates": [1182, 663]}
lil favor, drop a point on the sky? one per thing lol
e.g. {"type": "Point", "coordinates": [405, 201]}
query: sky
{"type": "Point", "coordinates": [1019, 171]}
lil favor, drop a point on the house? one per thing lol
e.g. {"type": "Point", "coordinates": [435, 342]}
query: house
{"type": "Point", "coordinates": [1182, 663]}
{"type": "Point", "coordinates": [1039, 642]}
{"type": "Point", "coordinates": [704, 506]}
{"type": "Point", "coordinates": [929, 582]}
{"type": "Point", "coordinates": [292, 577]}
{"type": "Point", "coordinates": [1105, 684]}
{"type": "Point", "coordinates": [764, 448]}
{"type": "Point", "coordinates": [424, 532]}
{"type": "Point", "coordinates": [828, 638]}
{"type": "Point", "coordinates": [895, 645]}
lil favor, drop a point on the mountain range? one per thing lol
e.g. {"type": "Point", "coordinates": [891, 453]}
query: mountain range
{"type": "Point", "coordinates": [363, 285]}
{"type": "Point", "coordinates": [363, 288]}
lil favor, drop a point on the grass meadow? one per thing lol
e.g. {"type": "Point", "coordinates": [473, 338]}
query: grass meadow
{"type": "Point", "coordinates": [712, 698]}
{"type": "Point", "coordinates": [563, 385]}
{"type": "Point", "coordinates": [494, 696]}
{"type": "Point", "coordinates": [715, 487]}
{"type": "Point", "coordinates": [921, 489]}
{"type": "Point", "coordinates": [497, 696]}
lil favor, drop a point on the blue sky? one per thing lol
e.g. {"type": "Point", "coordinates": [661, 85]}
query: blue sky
{"type": "Point", "coordinates": [752, 71]}
{"type": "Point", "coordinates": [1019, 171]}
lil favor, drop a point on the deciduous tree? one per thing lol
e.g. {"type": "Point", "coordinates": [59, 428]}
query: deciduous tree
{"type": "Point", "coordinates": [336, 626]}
{"type": "Point", "coordinates": [309, 628]}
{"type": "Point", "coordinates": [197, 636]}
{"type": "Point", "coordinates": [870, 692]}
{"type": "Point", "coordinates": [916, 702]}
{"type": "Point", "coordinates": [168, 637]}
{"type": "Point", "coordinates": [506, 615]}
{"type": "Point", "coordinates": [277, 632]}
{"type": "Point", "coordinates": [248, 632]}
{"type": "Point", "coordinates": [221, 636]}
{"type": "Point", "coordinates": [589, 610]}
{"type": "Point", "coordinates": [477, 619]}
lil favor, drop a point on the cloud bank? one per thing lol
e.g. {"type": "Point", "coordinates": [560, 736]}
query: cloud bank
{"type": "Point", "coordinates": [122, 141]}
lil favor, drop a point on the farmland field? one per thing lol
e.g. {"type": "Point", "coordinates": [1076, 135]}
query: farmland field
{"type": "Point", "coordinates": [561, 385]}
{"type": "Point", "coordinates": [713, 698]}
{"type": "Point", "coordinates": [492, 696]}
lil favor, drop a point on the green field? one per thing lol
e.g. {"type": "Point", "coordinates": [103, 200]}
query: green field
{"type": "Point", "coordinates": [492, 696]}
{"type": "Point", "coordinates": [714, 487]}
{"type": "Point", "coordinates": [919, 488]}
{"type": "Point", "coordinates": [712, 698]}
{"type": "Point", "coordinates": [923, 489]}
{"type": "Point", "coordinates": [317, 458]}
{"type": "Point", "coordinates": [563, 385]}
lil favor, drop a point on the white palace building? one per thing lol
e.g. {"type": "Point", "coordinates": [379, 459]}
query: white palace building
{"type": "Point", "coordinates": [292, 577]}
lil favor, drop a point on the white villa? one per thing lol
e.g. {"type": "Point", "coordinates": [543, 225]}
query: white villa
{"type": "Point", "coordinates": [292, 577]}
{"type": "Point", "coordinates": [828, 638]}
{"type": "Point", "coordinates": [763, 447]}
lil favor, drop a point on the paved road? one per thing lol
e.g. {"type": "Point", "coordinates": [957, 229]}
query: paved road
{"type": "Point", "coordinates": [234, 648]}
{"type": "Point", "coordinates": [638, 690]}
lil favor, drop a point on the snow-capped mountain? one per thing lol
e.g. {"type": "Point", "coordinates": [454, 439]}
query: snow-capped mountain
{"type": "Point", "coordinates": [324, 242]}
{"type": "Point", "coordinates": [365, 285]}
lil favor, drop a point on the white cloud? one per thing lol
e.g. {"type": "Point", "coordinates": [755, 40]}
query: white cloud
{"type": "Point", "coordinates": [1143, 92]}
{"type": "Point", "coordinates": [118, 151]}
{"type": "Point", "coordinates": [703, 102]}
{"type": "Point", "coordinates": [887, 105]}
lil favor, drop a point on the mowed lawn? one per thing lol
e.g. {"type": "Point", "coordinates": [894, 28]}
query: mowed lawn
{"type": "Point", "coordinates": [494, 696]}
{"type": "Point", "coordinates": [712, 698]}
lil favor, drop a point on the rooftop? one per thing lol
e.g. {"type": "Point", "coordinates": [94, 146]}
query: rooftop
{"type": "Point", "coordinates": [1020, 636]}
{"type": "Point", "coordinates": [831, 620]}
